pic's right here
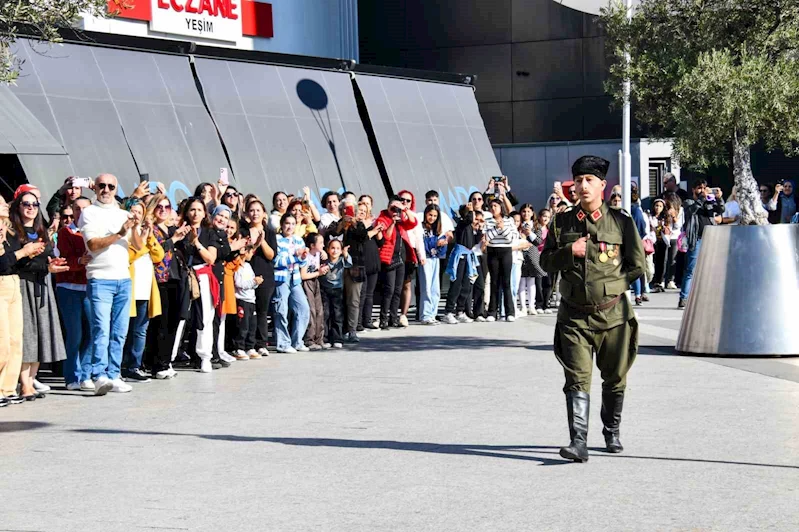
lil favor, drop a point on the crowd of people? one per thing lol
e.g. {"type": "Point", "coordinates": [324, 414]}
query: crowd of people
{"type": "Point", "coordinates": [123, 290]}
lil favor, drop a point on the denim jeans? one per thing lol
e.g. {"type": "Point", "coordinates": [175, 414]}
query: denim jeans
{"type": "Point", "coordinates": [76, 314]}
{"type": "Point", "coordinates": [636, 286]}
{"type": "Point", "coordinates": [290, 299]}
{"type": "Point", "coordinates": [137, 337]}
{"type": "Point", "coordinates": [690, 264]}
{"type": "Point", "coordinates": [430, 289]}
{"type": "Point", "coordinates": [110, 302]}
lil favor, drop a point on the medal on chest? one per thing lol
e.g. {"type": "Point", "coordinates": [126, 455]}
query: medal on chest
{"type": "Point", "coordinates": [603, 255]}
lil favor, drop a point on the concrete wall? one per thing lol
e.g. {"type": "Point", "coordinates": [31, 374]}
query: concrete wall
{"type": "Point", "coordinates": [322, 28]}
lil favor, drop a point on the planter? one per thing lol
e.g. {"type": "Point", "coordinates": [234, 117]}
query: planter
{"type": "Point", "coordinates": [745, 293]}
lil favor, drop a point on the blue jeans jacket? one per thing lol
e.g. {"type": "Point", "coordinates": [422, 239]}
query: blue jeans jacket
{"type": "Point", "coordinates": [455, 257]}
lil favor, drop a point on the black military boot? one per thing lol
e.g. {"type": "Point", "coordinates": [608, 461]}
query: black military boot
{"type": "Point", "coordinates": [611, 419]}
{"type": "Point", "coordinates": [577, 404]}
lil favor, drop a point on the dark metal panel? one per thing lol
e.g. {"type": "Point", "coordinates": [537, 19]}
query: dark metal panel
{"type": "Point", "coordinates": [595, 66]}
{"type": "Point", "coordinates": [554, 70]}
{"type": "Point", "coordinates": [457, 22]}
{"type": "Point", "coordinates": [498, 118]}
{"type": "Point", "coordinates": [548, 120]}
{"type": "Point", "coordinates": [541, 20]}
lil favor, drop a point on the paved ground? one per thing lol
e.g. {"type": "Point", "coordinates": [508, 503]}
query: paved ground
{"type": "Point", "coordinates": [430, 428]}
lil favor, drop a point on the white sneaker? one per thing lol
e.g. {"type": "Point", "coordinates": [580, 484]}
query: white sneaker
{"type": "Point", "coordinates": [511, 318]}
{"type": "Point", "coordinates": [39, 387]}
{"type": "Point", "coordinates": [532, 312]}
{"type": "Point", "coordinates": [337, 345]}
{"type": "Point", "coordinates": [548, 311]}
{"type": "Point", "coordinates": [480, 319]}
{"type": "Point", "coordinates": [254, 355]}
{"type": "Point", "coordinates": [238, 354]}
{"type": "Point", "coordinates": [102, 386]}
{"type": "Point", "coordinates": [73, 386]}
{"type": "Point", "coordinates": [376, 325]}
{"type": "Point", "coordinates": [463, 318]}
{"type": "Point", "coordinates": [450, 318]}
{"type": "Point", "coordinates": [430, 322]}
{"type": "Point", "coordinates": [403, 321]}
{"type": "Point", "coordinates": [226, 357]}
{"type": "Point", "coordinates": [264, 352]}
{"type": "Point", "coordinates": [327, 345]}
{"type": "Point", "coordinates": [87, 385]}
{"type": "Point", "coordinates": [206, 367]}
{"type": "Point", "coordinates": [119, 386]}
{"type": "Point", "coordinates": [303, 349]}
{"type": "Point", "coordinates": [671, 286]}
{"type": "Point", "coordinates": [491, 318]}
{"type": "Point", "coordinates": [288, 349]}
{"type": "Point", "coordinates": [165, 374]}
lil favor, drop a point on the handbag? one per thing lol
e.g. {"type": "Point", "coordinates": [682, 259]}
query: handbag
{"type": "Point", "coordinates": [194, 285]}
{"type": "Point", "coordinates": [649, 246]}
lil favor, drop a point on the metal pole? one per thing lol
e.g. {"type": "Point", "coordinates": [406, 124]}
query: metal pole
{"type": "Point", "coordinates": [626, 169]}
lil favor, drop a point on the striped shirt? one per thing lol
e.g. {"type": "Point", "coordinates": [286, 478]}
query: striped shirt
{"type": "Point", "coordinates": [497, 238]}
{"type": "Point", "coordinates": [287, 263]}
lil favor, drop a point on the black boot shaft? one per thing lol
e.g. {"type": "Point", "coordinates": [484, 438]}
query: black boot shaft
{"type": "Point", "coordinates": [612, 404]}
{"type": "Point", "coordinates": [578, 405]}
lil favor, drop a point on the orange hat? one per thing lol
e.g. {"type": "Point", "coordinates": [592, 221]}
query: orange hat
{"type": "Point", "coordinates": [22, 189]}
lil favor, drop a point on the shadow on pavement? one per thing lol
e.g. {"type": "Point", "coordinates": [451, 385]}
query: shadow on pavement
{"type": "Point", "coordinates": [489, 451]}
{"type": "Point", "coordinates": [374, 343]}
{"type": "Point", "coordinates": [19, 426]}
{"type": "Point", "coordinates": [658, 350]}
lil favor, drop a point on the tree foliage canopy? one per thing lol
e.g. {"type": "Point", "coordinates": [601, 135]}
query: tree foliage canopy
{"type": "Point", "coordinates": [42, 19]}
{"type": "Point", "coordinates": [708, 72]}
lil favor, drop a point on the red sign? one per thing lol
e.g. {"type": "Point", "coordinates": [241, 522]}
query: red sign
{"type": "Point", "coordinates": [256, 17]}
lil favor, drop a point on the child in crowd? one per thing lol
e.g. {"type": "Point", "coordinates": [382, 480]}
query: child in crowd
{"type": "Point", "coordinates": [315, 333]}
{"type": "Point", "coordinates": [246, 282]}
{"type": "Point", "coordinates": [543, 282]}
{"type": "Point", "coordinates": [520, 245]}
{"type": "Point", "coordinates": [332, 285]}
{"type": "Point", "coordinates": [435, 247]}
{"type": "Point", "coordinates": [531, 267]}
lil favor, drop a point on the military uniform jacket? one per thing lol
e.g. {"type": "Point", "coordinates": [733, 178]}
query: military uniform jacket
{"type": "Point", "coordinates": [614, 258]}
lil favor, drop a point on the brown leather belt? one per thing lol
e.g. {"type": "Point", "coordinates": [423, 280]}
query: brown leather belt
{"type": "Point", "coordinates": [591, 309]}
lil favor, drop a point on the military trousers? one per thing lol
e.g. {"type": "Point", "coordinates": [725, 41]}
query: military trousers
{"type": "Point", "coordinates": [615, 351]}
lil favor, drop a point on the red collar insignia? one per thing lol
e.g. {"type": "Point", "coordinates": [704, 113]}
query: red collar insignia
{"type": "Point", "coordinates": [596, 215]}
{"type": "Point", "coordinates": [580, 215]}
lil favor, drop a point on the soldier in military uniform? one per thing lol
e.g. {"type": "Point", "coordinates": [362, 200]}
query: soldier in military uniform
{"type": "Point", "coordinates": [598, 253]}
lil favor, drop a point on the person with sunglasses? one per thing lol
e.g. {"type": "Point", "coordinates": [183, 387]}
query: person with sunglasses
{"type": "Point", "coordinates": [172, 282]}
{"type": "Point", "coordinates": [478, 311]}
{"type": "Point", "coordinates": [106, 231]}
{"type": "Point", "coordinates": [41, 328]}
{"type": "Point", "coordinates": [72, 301]}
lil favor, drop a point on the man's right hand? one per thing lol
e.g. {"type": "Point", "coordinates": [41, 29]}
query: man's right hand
{"type": "Point", "coordinates": [259, 280]}
{"type": "Point", "coordinates": [578, 247]}
{"type": "Point", "coordinates": [126, 227]}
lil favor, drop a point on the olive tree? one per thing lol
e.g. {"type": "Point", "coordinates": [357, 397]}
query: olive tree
{"type": "Point", "coordinates": [713, 75]}
{"type": "Point", "coordinates": [42, 19]}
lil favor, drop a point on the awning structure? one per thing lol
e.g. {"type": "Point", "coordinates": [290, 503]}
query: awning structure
{"type": "Point", "coordinates": [287, 127]}
{"type": "Point", "coordinates": [20, 131]}
{"type": "Point", "coordinates": [118, 111]}
{"type": "Point", "coordinates": [431, 136]}
{"type": "Point", "coordinates": [84, 109]}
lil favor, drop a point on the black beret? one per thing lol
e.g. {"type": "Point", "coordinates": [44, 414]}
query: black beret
{"type": "Point", "coordinates": [591, 164]}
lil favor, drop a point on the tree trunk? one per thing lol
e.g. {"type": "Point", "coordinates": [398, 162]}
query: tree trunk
{"type": "Point", "coordinates": [747, 191]}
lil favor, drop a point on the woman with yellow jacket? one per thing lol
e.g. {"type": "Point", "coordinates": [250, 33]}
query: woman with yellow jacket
{"type": "Point", "coordinates": [144, 251]}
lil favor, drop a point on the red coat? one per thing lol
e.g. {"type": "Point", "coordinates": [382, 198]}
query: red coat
{"type": "Point", "coordinates": [404, 225]}
{"type": "Point", "coordinates": [71, 247]}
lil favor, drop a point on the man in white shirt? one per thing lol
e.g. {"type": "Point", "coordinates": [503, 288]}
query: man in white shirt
{"type": "Point", "coordinates": [105, 229]}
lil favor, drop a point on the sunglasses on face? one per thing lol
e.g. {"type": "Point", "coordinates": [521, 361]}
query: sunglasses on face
{"type": "Point", "coordinates": [65, 216]}
{"type": "Point", "coordinates": [30, 204]}
{"type": "Point", "coordinates": [163, 207]}
{"type": "Point", "coordinates": [406, 200]}
{"type": "Point", "coordinates": [102, 186]}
